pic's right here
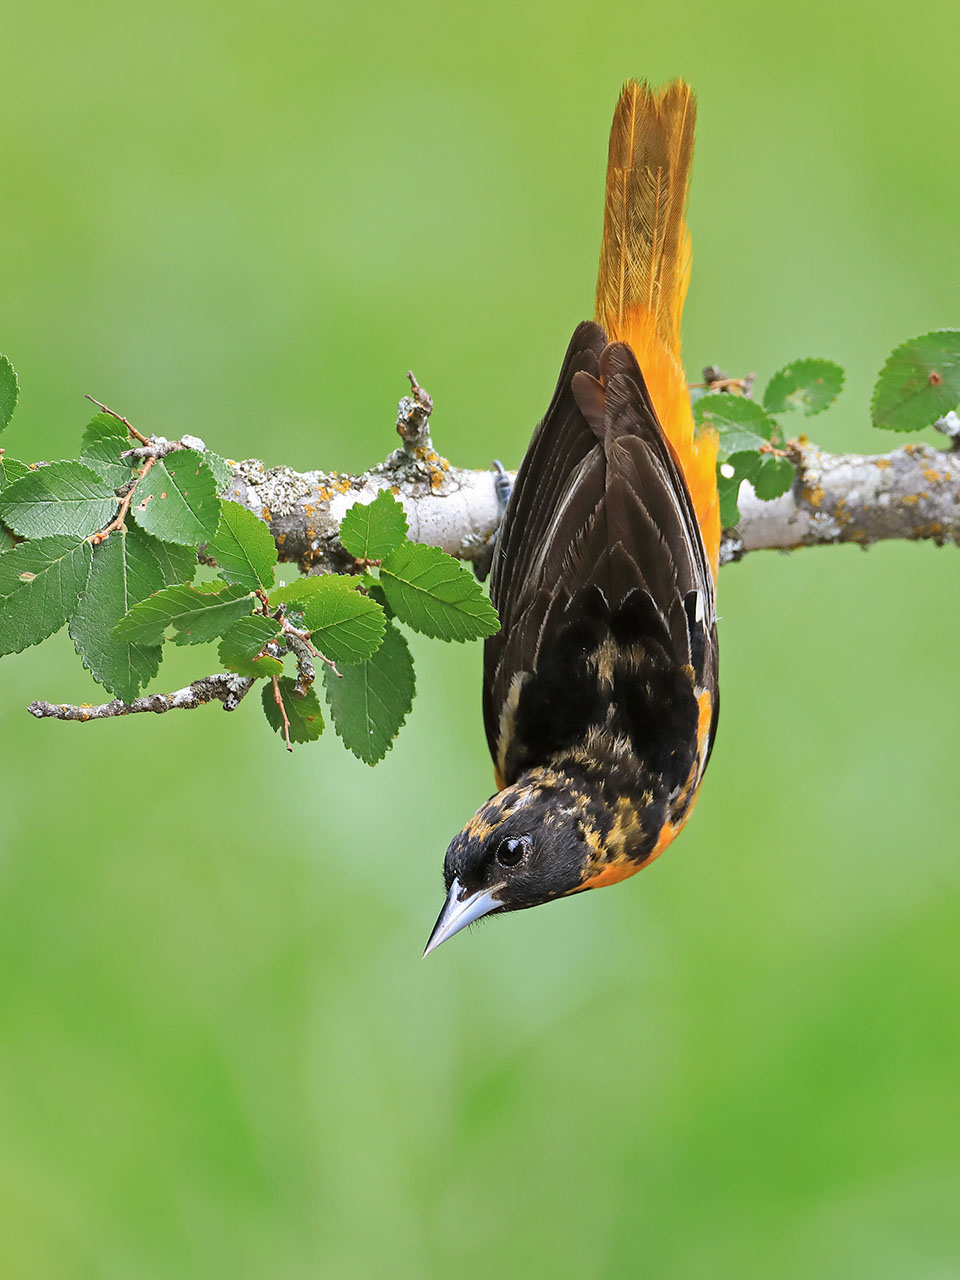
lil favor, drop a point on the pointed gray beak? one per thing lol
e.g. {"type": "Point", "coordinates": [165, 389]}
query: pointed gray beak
{"type": "Point", "coordinates": [459, 910]}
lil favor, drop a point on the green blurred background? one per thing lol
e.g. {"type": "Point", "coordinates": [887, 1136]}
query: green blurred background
{"type": "Point", "coordinates": [220, 1053]}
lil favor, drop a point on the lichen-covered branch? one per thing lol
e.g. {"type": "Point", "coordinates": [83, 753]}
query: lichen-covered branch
{"type": "Point", "coordinates": [912, 493]}
{"type": "Point", "coordinates": [224, 687]}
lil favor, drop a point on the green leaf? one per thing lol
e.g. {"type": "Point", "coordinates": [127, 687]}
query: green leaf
{"type": "Point", "coordinates": [741, 423]}
{"type": "Point", "coordinates": [304, 714]}
{"type": "Point", "coordinates": [197, 616]}
{"type": "Point", "coordinates": [774, 478]}
{"type": "Point", "coordinates": [40, 584]}
{"type": "Point", "coordinates": [769, 475]}
{"type": "Point", "coordinates": [919, 383]}
{"type": "Point", "coordinates": [124, 572]}
{"type": "Point", "coordinates": [344, 625]}
{"type": "Point", "coordinates": [239, 647]}
{"type": "Point", "coordinates": [177, 499]}
{"type": "Point", "coordinates": [243, 548]}
{"type": "Point", "coordinates": [221, 468]}
{"type": "Point", "coordinates": [9, 391]}
{"type": "Point", "coordinates": [432, 593]}
{"type": "Point", "coordinates": [371, 701]}
{"type": "Point", "coordinates": [65, 498]}
{"type": "Point", "coordinates": [374, 590]}
{"type": "Point", "coordinates": [177, 563]}
{"type": "Point", "coordinates": [371, 529]}
{"type": "Point", "coordinates": [809, 385]}
{"type": "Point", "coordinates": [103, 440]}
{"type": "Point", "coordinates": [11, 469]}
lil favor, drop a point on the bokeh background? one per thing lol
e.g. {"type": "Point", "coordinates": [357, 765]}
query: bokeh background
{"type": "Point", "coordinates": [220, 1052]}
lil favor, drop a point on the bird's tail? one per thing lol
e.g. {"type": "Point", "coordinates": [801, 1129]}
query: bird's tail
{"type": "Point", "coordinates": [645, 270]}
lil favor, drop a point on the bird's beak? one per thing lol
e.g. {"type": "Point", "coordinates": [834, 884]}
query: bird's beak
{"type": "Point", "coordinates": [459, 910]}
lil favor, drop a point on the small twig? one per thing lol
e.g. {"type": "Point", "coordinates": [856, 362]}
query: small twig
{"type": "Point", "coordinates": [306, 671]}
{"type": "Point", "coordinates": [225, 687]}
{"type": "Point", "coordinates": [294, 637]}
{"type": "Point", "coordinates": [120, 418]}
{"type": "Point", "coordinates": [160, 446]}
{"type": "Point", "coordinates": [715, 379]}
{"type": "Point", "coordinates": [278, 699]}
{"type": "Point", "coordinates": [117, 521]}
{"type": "Point", "coordinates": [413, 415]}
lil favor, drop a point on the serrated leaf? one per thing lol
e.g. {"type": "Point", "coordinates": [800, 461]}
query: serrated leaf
{"type": "Point", "coordinates": [774, 477]}
{"type": "Point", "coordinates": [65, 498]}
{"type": "Point", "coordinates": [177, 499]}
{"type": "Point", "coordinates": [304, 714]}
{"type": "Point", "coordinates": [243, 548]}
{"type": "Point", "coordinates": [239, 647]}
{"type": "Point", "coordinates": [197, 616]}
{"type": "Point", "coordinates": [124, 572]}
{"type": "Point", "coordinates": [372, 529]}
{"type": "Point", "coordinates": [919, 383]}
{"type": "Point", "coordinates": [103, 440]}
{"type": "Point", "coordinates": [740, 423]}
{"type": "Point", "coordinates": [432, 593]}
{"type": "Point", "coordinates": [9, 391]}
{"type": "Point", "coordinates": [11, 469]}
{"type": "Point", "coordinates": [178, 564]}
{"type": "Point", "coordinates": [344, 625]}
{"type": "Point", "coordinates": [40, 584]}
{"type": "Point", "coordinates": [371, 701]}
{"type": "Point", "coordinates": [221, 468]}
{"type": "Point", "coordinates": [808, 385]}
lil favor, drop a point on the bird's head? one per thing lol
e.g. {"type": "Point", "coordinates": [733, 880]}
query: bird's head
{"type": "Point", "coordinates": [530, 843]}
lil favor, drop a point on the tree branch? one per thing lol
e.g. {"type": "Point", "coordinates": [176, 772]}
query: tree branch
{"type": "Point", "coordinates": [225, 687]}
{"type": "Point", "coordinates": [910, 493]}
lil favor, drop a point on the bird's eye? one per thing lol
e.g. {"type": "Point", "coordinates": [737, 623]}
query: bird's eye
{"type": "Point", "coordinates": [510, 851]}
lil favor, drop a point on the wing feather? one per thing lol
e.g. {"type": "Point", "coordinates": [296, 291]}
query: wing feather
{"type": "Point", "coordinates": [600, 502]}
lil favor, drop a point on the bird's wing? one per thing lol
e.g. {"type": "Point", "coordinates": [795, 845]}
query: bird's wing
{"type": "Point", "coordinates": [599, 505]}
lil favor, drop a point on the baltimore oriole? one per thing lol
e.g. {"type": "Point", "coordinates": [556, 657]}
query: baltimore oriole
{"type": "Point", "coordinates": [600, 691]}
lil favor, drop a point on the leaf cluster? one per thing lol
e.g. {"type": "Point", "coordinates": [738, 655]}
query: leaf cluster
{"type": "Point", "coordinates": [116, 547]}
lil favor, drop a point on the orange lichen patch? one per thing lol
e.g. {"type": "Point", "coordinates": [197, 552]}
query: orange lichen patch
{"type": "Point", "coordinates": [841, 514]}
{"type": "Point", "coordinates": [265, 514]}
{"type": "Point", "coordinates": [910, 499]}
{"type": "Point", "coordinates": [910, 449]}
{"type": "Point", "coordinates": [931, 475]}
{"type": "Point", "coordinates": [813, 496]}
{"type": "Point", "coordinates": [394, 490]}
{"type": "Point", "coordinates": [342, 485]}
{"type": "Point", "coordinates": [882, 464]}
{"type": "Point", "coordinates": [934, 529]}
{"type": "Point", "coordinates": [281, 539]}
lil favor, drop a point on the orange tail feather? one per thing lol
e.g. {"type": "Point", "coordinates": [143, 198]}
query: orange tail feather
{"type": "Point", "coordinates": [645, 270]}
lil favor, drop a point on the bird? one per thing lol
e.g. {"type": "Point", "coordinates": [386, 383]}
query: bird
{"type": "Point", "coordinates": [600, 691]}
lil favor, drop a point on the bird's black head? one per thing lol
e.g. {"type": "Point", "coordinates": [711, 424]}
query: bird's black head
{"type": "Point", "coordinates": [527, 845]}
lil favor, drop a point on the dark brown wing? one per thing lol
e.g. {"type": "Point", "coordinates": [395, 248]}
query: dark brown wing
{"type": "Point", "coordinates": [599, 525]}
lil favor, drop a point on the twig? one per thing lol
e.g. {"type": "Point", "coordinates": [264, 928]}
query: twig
{"type": "Point", "coordinates": [118, 519]}
{"type": "Point", "coordinates": [119, 417]}
{"type": "Point", "coordinates": [225, 687]}
{"type": "Point", "coordinates": [278, 699]}
{"type": "Point", "coordinates": [306, 671]}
